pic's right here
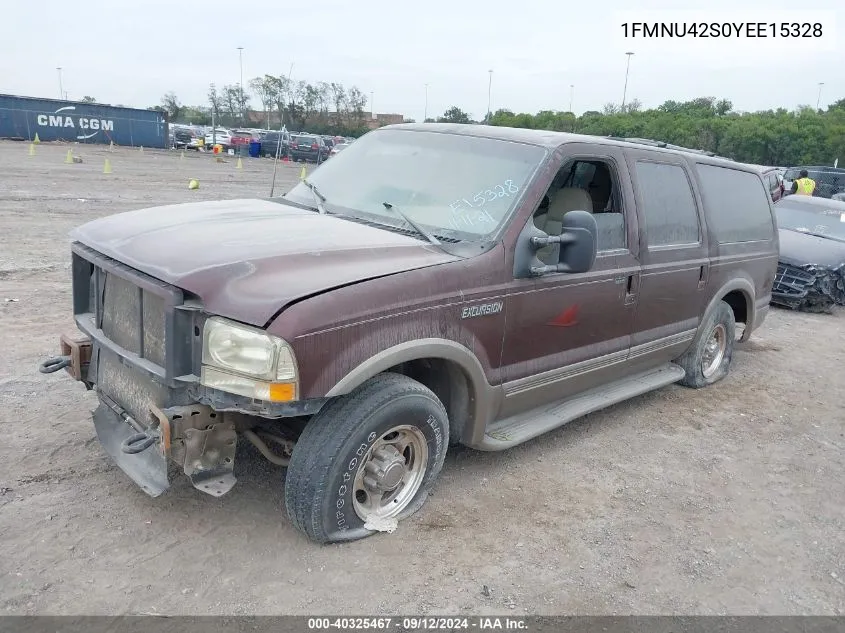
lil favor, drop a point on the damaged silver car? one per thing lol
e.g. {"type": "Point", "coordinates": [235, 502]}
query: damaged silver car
{"type": "Point", "coordinates": [811, 265]}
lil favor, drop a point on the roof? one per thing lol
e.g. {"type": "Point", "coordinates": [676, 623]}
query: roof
{"type": "Point", "coordinates": [552, 140]}
{"type": "Point", "coordinates": [826, 168]}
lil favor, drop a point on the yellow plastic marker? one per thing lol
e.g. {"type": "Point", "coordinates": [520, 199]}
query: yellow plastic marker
{"type": "Point", "coordinates": [142, 149]}
{"type": "Point", "coordinates": [107, 167]}
{"type": "Point", "coordinates": [240, 164]}
{"type": "Point", "coordinates": [36, 139]}
{"type": "Point", "coordinates": [69, 157]}
{"type": "Point", "coordinates": [194, 184]}
{"type": "Point", "coordinates": [302, 174]}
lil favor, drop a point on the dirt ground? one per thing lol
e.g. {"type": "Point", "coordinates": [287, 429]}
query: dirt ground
{"type": "Point", "coordinates": [727, 500]}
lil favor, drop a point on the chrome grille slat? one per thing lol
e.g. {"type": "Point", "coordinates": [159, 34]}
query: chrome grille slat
{"type": "Point", "coordinates": [791, 280]}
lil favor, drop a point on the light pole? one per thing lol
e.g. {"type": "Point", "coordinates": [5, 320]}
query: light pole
{"type": "Point", "coordinates": [425, 112]}
{"type": "Point", "coordinates": [61, 91]}
{"type": "Point", "coordinates": [241, 62]}
{"type": "Point", "coordinates": [819, 99]}
{"type": "Point", "coordinates": [290, 92]}
{"type": "Point", "coordinates": [489, 95]}
{"type": "Point", "coordinates": [627, 68]}
{"type": "Point", "coordinates": [372, 105]}
{"type": "Point", "coordinates": [571, 95]}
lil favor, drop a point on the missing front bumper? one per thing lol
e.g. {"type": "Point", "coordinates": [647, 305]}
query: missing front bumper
{"type": "Point", "coordinates": [195, 437]}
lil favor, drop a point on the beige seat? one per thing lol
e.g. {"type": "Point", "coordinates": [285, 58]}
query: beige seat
{"type": "Point", "coordinates": [566, 200]}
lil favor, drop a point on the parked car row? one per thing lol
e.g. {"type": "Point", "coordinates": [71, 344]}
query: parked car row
{"type": "Point", "coordinates": [300, 146]}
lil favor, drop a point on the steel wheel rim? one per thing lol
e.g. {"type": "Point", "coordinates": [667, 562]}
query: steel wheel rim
{"type": "Point", "coordinates": [714, 351]}
{"type": "Point", "coordinates": [402, 447]}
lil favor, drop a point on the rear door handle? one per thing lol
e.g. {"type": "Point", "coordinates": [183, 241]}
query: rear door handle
{"type": "Point", "coordinates": [703, 275]}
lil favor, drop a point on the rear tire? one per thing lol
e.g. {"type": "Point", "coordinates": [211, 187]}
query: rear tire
{"type": "Point", "coordinates": [374, 453]}
{"type": "Point", "coordinates": [709, 357]}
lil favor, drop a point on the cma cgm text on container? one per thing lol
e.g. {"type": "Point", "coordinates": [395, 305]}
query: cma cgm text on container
{"type": "Point", "coordinates": [53, 120]}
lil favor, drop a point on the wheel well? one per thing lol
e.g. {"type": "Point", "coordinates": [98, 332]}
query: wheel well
{"type": "Point", "coordinates": [738, 302]}
{"type": "Point", "coordinates": [449, 383]}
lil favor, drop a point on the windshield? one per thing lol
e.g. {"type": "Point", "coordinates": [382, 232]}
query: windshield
{"type": "Point", "coordinates": [827, 220]}
{"type": "Point", "coordinates": [305, 140]}
{"type": "Point", "coordinates": [454, 185]}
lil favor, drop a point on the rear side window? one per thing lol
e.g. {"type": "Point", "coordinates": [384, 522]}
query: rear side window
{"type": "Point", "coordinates": [671, 217]}
{"type": "Point", "coordinates": [737, 204]}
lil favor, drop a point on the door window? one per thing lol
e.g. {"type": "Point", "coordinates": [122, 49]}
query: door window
{"type": "Point", "coordinates": [671, 216]}
{"type": "Point", "coordinates": [584, 185]}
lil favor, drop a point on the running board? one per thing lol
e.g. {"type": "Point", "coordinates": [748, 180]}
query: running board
{"type": "Point", "coordinates": [521, 428]}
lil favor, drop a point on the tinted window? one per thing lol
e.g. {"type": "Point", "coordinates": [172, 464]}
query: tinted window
{"type": "Point", "coordinates": [737, 204]}
{"type": "Point", "coordinates": [668, 204]}
{"type": "Point", "coordinates": [772, 181]}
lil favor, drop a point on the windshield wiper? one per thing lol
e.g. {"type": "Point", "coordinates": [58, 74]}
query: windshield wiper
{"type": "Point", "coordinates": [416, 226]}
{"type": "Point", "coordinates": [319, 198]}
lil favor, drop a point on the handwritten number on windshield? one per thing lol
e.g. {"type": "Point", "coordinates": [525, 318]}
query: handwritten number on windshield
{"type": "Point", "coordinates": [504, 190]}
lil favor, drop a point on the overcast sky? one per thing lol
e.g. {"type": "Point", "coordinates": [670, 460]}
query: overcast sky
{"type": "Point", "coordinates": [133, 52]}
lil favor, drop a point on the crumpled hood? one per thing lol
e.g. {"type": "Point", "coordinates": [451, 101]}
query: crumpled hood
{"type": "Point", "coordinates": [799, 248]}
{"type": "Point", "coordinates": [247, 259]}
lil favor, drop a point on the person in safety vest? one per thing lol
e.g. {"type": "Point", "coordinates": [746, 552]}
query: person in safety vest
{"type": "Point", "coordinates": [803, 185]}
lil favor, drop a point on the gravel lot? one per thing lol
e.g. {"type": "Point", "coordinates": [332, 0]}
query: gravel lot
{"type": "Point", "coordinates": [727, 500]}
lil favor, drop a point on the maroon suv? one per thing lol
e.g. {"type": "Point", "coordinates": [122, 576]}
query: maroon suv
{"type": "Point", "coordinates": [430, 285]}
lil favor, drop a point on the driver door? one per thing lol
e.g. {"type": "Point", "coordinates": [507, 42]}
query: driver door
{"type": "Point", "coordinates": [568, 332]}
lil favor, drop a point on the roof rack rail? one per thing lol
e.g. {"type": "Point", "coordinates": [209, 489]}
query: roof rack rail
{"type": "Point", "coordinates": [662, 144]}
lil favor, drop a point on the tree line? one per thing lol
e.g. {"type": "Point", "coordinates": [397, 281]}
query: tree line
{"type": "Point", "coordinates": [804, 136]}
{"type": "Point", "coordinates": [322, 107]}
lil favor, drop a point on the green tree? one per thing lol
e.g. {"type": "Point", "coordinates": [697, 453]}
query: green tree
{"type": "Point", "coordinates": [454, 115]}
{"type": "Point", "coordinates": [170, 104]}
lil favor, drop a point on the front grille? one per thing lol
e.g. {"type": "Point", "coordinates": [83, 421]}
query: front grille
{"type": "Point", "coordinates": [142, 321]}
{"type": "Point", "coordinates": [792, 281]}
{"type": "Point", "coordinates": [133, 318]}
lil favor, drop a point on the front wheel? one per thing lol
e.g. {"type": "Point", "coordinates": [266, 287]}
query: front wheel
{"type": "Point", "coordinates": [709, 357]}
{"type": "Point", "coordinates": [367, 460]}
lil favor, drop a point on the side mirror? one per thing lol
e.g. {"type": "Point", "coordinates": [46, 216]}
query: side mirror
{"type": "Point", "coordinates": [577, 242]}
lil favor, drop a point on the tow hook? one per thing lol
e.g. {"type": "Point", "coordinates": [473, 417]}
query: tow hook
{"type": "Point", "coordinates": [75, 358]}
{"type": "Point", "coordinates": [137, 443]}
{"type": "Point", "coordinates": [54, 364]}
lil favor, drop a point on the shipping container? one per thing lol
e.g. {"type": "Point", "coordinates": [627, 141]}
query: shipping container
{"type": "Point", "coordinates": [22, 117]}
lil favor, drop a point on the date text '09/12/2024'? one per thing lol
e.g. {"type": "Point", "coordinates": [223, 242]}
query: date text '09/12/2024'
{"type": "Point", "coordinates": [469, 212]}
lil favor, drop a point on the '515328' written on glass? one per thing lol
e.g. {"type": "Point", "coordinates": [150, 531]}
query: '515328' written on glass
{"type": "Point", "coordinates": [469, 212]}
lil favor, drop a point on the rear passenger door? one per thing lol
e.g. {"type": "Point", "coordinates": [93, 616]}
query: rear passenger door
{"type": "Point", "coordinates": [674, 259]}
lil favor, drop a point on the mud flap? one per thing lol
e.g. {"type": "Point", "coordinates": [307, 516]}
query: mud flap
{"type": "Point", "coordinates": [147, 468]}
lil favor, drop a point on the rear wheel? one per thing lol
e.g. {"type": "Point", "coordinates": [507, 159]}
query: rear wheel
{"type": "Point", "coordinates": [367, 460]}
{"type": "Point", "coordinates": [709, 357]}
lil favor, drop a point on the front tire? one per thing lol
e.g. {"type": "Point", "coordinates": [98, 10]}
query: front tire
{"type": "Point", "coordinates": [371, 455]}
{"type": "Point", "coordinates": [709, 357]}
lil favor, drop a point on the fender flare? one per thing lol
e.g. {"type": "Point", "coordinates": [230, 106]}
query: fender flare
{"type": "Point", "coordinates": [745, 286]}
{"type": "Point", "coordinates": [481, 398]}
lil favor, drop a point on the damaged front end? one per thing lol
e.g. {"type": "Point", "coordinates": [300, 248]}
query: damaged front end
{"type": "Point", "coordinates": [809, 287]}
{"type": "Point", "coordinates": [140, 349]}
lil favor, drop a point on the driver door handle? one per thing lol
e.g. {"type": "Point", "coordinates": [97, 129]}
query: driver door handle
{"type": "Point", "coordinates": [632, 289]}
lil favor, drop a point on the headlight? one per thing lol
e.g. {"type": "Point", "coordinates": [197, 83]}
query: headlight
{"type": "Point", "coordinates": [247, 361]}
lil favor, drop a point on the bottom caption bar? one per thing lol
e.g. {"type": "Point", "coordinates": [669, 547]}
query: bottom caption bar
{"type": "Point", "coordinates": [408, 624]}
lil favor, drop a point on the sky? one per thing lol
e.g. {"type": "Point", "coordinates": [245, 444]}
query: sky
{"type": "Point", "coordinates": [132, 53]}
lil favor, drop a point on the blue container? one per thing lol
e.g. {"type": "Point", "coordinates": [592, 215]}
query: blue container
{"type": "Point", "coordinates": [53, 120]}
{"type": "Point", "coordinates": [255, 149]}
